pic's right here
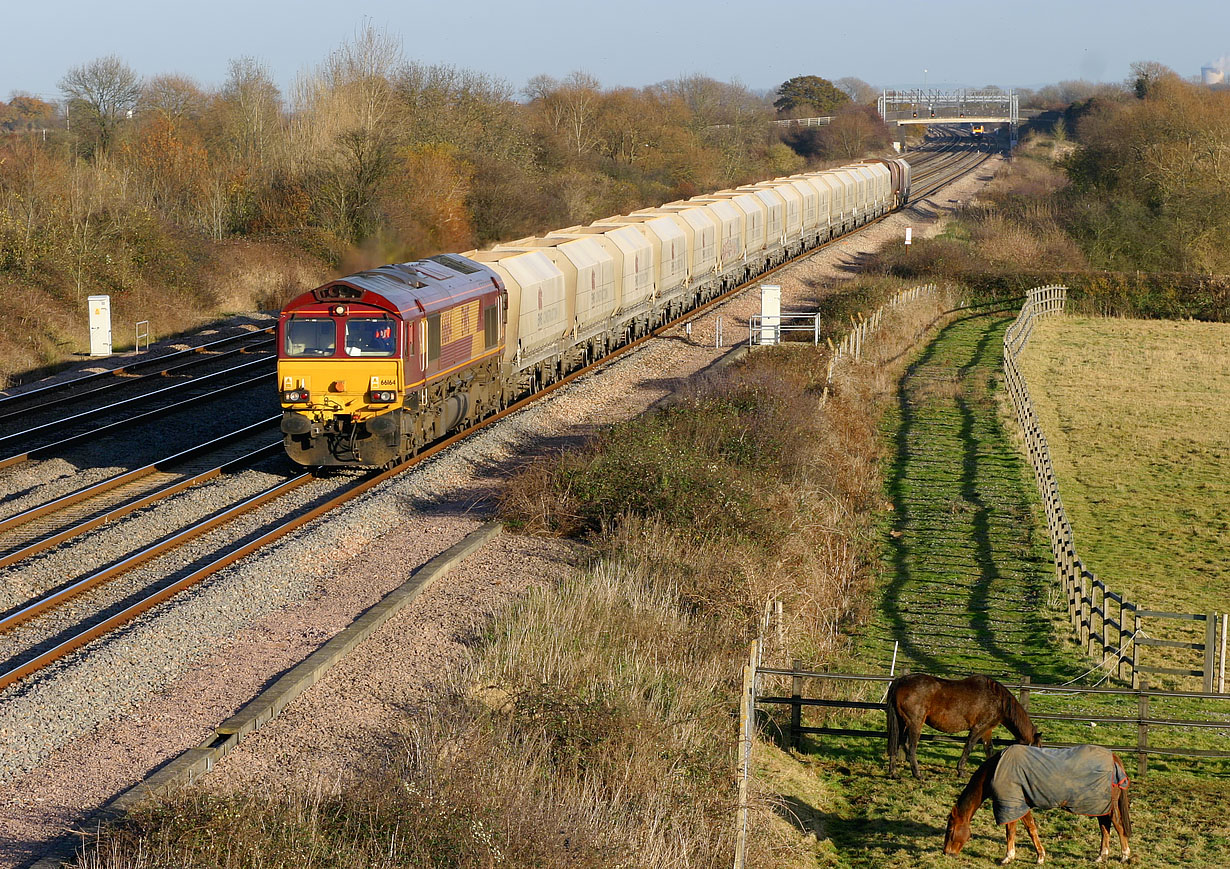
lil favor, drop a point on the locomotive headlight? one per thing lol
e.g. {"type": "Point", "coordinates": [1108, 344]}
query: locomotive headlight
{"type": "Point", "coordinates": [296, 396]}
{"type": "Point", "coordinates": [383, 396]}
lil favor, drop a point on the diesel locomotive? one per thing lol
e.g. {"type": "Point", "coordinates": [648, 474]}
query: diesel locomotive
{"type": "Point", "coordinates": [376, 365]}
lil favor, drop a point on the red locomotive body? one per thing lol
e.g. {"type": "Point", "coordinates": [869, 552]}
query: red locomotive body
{"type": "Point", "coordinates": [373, 366]}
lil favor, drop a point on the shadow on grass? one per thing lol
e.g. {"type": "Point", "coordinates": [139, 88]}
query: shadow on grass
{"type": "Point", "coordinates": [965, 588]}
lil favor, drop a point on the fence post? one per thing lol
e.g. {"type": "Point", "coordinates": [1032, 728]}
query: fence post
{"type": "Point", "coordinates": [1085, 600]}
{"type": "Point", "coordinates": [796, 707]}
{"type": "Point", "coordinates": [1142, 729]}
{"type": "Point", "coordinates": [1221, 682]}
{"type": "Point", "coordinates": [1025, 694]}
{"type": "Point", "coordinates": [1124, 634]}
{"type": "Point", "coordinates": [1136, 649]}
{"type": "Point", "coordinates": [1091, 637]}
{"type": "Point", "coordinates": [747, 712]}
{"type": "Point", "coordinates": [1107, 644]}
{"type": "Point", "coordinates": [1210, 650]}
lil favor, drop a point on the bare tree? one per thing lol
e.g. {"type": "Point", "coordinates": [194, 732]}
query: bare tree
{"type": "Point", "coordinates": [570, 107]}
{"type": "Point", "coordinates": [175, 97]}
{"type": "Point", "coordinates": [854, 131]}
{"type": "Point", "coordinates": [253, 106]}
{"type": "Point", "coordinates": [857, 89]}
{"type": "Point", "coordinates": [360, 73]}
{"type": "Point", "coordinates": [100, 95]}
{"type": "Point", "coordinates": [1146, 74]}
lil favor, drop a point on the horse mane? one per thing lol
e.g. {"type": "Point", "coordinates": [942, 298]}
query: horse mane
{"type": "Point", "coordinates": [1015, 717]}
{"type": "Point", "coordinates": [976, 790]}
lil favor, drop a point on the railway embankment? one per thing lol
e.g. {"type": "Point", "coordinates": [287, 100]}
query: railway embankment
{"type": "Point", "coordinates": [349, 560]}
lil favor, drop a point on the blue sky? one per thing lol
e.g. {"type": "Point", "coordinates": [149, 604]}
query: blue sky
{"type": "Point", "coordinates": [631, 42]}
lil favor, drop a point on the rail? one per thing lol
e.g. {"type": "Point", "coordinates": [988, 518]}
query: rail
{"type": "Point", "coordinates": [210, 347]}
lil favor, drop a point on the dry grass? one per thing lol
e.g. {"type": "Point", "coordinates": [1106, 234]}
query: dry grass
{"type": "Point", "coordinates": [593, 725]}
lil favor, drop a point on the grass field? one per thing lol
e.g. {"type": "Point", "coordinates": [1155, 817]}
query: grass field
{"type": "Point", "coordinates": [967, 577]}
{"type": "Point", "coordinates": [1137, 413]}
{"type": "Point", "coordinates": [967, 586]}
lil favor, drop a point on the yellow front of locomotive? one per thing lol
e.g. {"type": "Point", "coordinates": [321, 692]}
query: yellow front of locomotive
{"type": "Point", "coordinates": [341, 373]}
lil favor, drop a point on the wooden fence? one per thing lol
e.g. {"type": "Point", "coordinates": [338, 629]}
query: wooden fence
{"type": "Point", "coordinates": [862, 330]}
{"type": "Point", "coordinates": [1110, 628]}
{"type": "Point", "coordinates": [1141, 721]}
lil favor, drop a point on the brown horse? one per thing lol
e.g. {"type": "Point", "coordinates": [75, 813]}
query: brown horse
{"type": "Point", "coordinates": [1086, 780]}
{"type": "Point", "coordinates": [976, 704]}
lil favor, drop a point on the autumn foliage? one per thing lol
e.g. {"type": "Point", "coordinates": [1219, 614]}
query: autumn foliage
{"type": "Point", "coordinates": [141, 189]}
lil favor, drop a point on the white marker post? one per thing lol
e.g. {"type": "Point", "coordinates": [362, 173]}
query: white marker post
{"type": "Point", "coordinates": [770, 313]}
{"type": "Point", "coordinates": [100, 325]}
{"type": "Point", "coordinates": [909, 232]}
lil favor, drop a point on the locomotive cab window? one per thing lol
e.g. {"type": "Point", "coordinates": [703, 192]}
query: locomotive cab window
{"type": "Point", "coordinates": [370, 336]}
{"type": "Point", "coordinates": [310, 337]}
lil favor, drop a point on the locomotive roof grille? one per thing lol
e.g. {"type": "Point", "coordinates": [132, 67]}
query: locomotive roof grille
{"type": "Point", "coordinates": [454, 263]}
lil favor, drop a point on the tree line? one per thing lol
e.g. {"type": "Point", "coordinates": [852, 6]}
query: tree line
{"type": "Point", "coordinates": [368, 150]}
{"type": "Point", "coordinates": [134, 185]}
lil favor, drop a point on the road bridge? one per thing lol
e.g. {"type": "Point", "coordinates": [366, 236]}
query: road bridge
{"type": "Point", "coordinates": [931, 106]}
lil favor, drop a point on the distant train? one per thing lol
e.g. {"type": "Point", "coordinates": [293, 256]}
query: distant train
{"type": "Point", "coordinates": [977, 131]}
{"type": "Point", "coordinates": [374, 366]}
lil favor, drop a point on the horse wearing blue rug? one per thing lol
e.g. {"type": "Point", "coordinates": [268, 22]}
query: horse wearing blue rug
{"type": "Point", "coordinates": [1086, 780]}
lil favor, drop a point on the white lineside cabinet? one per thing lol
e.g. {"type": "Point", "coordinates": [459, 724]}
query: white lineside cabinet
{"type": "Point", "coordinates": [100, 325]}
{"type": "Point", "coordinates": [770, 313]}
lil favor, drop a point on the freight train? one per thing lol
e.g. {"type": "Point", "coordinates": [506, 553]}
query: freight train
{"type": "Point", "coordinates": [376, 365]}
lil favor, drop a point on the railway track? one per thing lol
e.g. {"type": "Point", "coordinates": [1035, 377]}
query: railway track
{"type": "Point", "coordinates": [47, 626]}
{"type": "Point", "coordinates": [21, 405]}
{"type": "Point", "coordinates": [28, 532]}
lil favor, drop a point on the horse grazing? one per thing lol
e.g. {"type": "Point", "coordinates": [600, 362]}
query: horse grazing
{"type": "Point", "coordinates": [976, 704]}
{"type": "Point", "coordinates": [1085, 780]}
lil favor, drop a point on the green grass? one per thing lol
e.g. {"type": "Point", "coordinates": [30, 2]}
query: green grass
{"type": "Point", "coordinates": [967, 577]}
{"type": "Point", "coordinates": [1137, 415]}
{"type": "Point", "coordinates": [967, 587]}
{"type": "Point", "coordinates": [871, 820]}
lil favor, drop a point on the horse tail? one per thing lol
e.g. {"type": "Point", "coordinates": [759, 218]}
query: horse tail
{"type": "Point", "coordinates": [894, 724]}
{"type": "Point", "coordinates": [1125, 815]}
